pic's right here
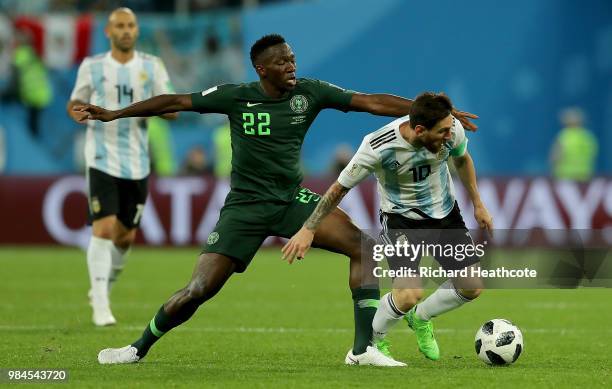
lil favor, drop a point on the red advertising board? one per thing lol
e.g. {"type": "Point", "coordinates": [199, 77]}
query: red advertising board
{"type": "Point", "coordinates": [183, 210]}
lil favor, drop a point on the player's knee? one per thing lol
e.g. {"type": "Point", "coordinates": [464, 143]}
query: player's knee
{"type": "Point", "coordinates": [470, 293]}
{"type": "Point", "coordinates": [405, 299]}
{"type": "Point", "coordinates": [348, 234]}
{"type": "Point", "coordinates": [352, 243]}
{"type": "Point", "coordinates": [366, 241]}
{"type": "Point", "coordinates": [104, 228]}
{"type": "Point", "coordinates": [360, 245]}
{"type": "Point", "coordinates": [472, 284]}
{"type": "Point", "coordinates": [197, 291]}
{"type": "Point", "coordinates": [124, 242]}
{"type": "Point", "coordinates": [124, 239]}
{"type": "Point", "coordinates": [103, 232]}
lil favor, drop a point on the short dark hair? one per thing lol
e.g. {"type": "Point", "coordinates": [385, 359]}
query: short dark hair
{"type": "Point", "coordinates": [429, 108]}
{"type": "Point", "coordinates": [263, 43]}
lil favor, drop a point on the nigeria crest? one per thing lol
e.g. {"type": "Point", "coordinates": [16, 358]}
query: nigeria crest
{"type": "Point", "coordinates": [298, 104]}
{"type": "Point", "coordinates": [212, 238]}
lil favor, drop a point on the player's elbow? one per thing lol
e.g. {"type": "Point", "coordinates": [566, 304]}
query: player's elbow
{"type": "Point", "coordinates": [170, 116]}
{"type": "Point", "coordinates": [460, 162]}
{"type": "Point", "coordinates": [178, 103]}
{"type": "Point", "coordinates": [337, 186]}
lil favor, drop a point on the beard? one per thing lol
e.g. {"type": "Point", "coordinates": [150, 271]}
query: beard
{"type": "Point", "coordinates": [124, 45]}
{"type": "Point", "coordinates": [434, 147]}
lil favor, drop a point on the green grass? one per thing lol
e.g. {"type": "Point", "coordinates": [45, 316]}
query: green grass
{"type": "Point", "coordinates": [281, 326]}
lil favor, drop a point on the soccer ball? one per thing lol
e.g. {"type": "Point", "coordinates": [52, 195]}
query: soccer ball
{"type": "Point", "coordinates": [498, 342]}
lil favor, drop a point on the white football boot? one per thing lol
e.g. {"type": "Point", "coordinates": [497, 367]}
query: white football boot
{"type": "Point", "coordinates": [103, 317]}
{"type": "Point", "coordinates": [125, 354]}
{"type": "Point", "coordinates": [373, 357]}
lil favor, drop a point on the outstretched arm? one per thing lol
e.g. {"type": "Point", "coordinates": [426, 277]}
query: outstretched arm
{"type": "Point", "coordinates": [381, 104]}
{"type": "Point", "coordinates": [299, 243]}
{"type": "Point", "coordinates": [467, 174]}
{"type": "Point", "coordinates": [155, 106]}
{"type": "Point", "coordinates": [391, 105]}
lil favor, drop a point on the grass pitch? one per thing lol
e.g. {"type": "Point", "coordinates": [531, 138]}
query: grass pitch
{"type": "Point", "coordinates": [280, 326]}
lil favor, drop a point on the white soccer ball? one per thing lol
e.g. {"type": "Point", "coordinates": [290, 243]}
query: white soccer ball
{"type": "Point", "coordinates": [499, 342]}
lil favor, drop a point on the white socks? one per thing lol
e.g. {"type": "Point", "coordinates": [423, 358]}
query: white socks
{"type": "Point", "coordinates": [387, 315]}
{"type": "Point", "coordinates": [444, 299]}
{"type": "Point", "coordinates": [99, 260]}
{"type": "Point", "coordinates": [118, 257]}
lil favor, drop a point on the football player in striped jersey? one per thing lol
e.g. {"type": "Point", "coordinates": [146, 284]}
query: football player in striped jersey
{"type": "Point", "coordinates": [409, 159]}
{"type": "Point", "coordinates": [116, 153]}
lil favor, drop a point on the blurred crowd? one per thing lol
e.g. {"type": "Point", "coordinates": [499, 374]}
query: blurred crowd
{"type": "Point", "coordinates": [199, 55]}
{"type": "Point", "coordinates": [17, 7]}
{"type": "Point", "coordinates": [203, 53]}
{"type": "Point", "coordinates": [574, 152]}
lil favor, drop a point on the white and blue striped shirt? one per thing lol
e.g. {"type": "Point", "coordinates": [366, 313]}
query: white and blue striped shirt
{"type": "Point", "coordinates": [119, 148]}
{"type": "Point", "coordinates": [412, 182]}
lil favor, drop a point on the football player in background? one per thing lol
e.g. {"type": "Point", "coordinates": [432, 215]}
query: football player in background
{"type": "Point", "coordinates": [116, 153]}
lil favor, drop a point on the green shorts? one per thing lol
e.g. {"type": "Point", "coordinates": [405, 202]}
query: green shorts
{"type": "Point", "coordinates": [245, 222]}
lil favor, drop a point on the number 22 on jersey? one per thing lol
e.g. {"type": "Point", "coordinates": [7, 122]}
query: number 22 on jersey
{"type": "Point", "coordinates": [262, 123]}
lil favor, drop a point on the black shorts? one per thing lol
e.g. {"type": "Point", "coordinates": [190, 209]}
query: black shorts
{"type": "Point", "coordinates": [245, 223]}
{"type": "Point", "coordinates": [110, 195]}
{"type": "Point", "coordinates": [447, 235]}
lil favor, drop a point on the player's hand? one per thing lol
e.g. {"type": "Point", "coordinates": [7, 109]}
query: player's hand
{"type": "Point", "coordinates": [464, 118]}
{"type": "Point", "coordinates": [93, 112]}
{"type": "Point", "coordinates": [483, 218]}
{"type": "Point", "coordinates": [78, 116]}
{"type": "Point", "coordinates": [298, 245]}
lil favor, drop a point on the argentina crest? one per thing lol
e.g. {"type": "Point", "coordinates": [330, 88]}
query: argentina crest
{"type": "Point", "coordinates": [299, 103]}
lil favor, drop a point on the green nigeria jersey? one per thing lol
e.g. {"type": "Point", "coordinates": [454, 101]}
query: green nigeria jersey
{"type": "Point", "coordinates": [267, 133]}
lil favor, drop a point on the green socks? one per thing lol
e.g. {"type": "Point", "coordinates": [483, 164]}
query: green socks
{"type": "Point", "coordinates": [365, 303]}
{"type": "Point", "coordinates": [158, 326]}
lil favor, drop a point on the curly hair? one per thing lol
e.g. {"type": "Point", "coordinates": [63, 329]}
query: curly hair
{"type": "Point", "coordinates": [263, 43]}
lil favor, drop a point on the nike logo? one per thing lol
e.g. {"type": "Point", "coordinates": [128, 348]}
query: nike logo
{"type": "Point", "coordinates": [249, 105]}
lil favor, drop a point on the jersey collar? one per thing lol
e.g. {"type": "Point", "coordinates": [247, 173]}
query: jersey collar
{"type": "Point", "coordinates": [112, 60]}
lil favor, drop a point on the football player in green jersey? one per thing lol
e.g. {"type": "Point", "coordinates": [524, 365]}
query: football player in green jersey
{"type": "Point", "coordinates": [269, 119]}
